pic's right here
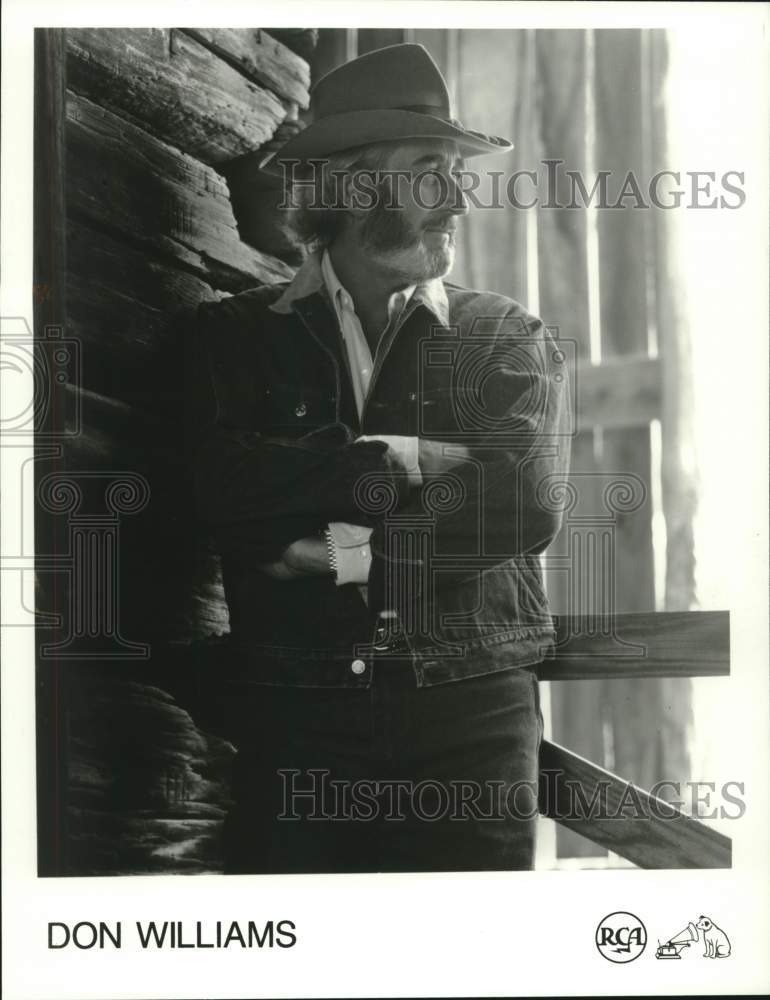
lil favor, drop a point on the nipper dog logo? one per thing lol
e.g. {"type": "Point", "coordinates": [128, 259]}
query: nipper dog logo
{"type": "Point", "coordinates": [716, 943]}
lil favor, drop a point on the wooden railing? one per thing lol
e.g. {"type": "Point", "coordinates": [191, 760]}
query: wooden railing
{"type": "Point", "coordinates": [615, 813]}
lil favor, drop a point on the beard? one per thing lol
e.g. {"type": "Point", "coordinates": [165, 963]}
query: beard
{"type": "Point", "coordinates": [398, 246]}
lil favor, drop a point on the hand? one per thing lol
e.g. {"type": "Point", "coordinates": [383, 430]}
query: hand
{"type": "Point", "coordinates": [303, 558]}
{"type": "Point", "coordinates": [433, 457]}
{"type": "Point", "coordinates": [422, 458]}
{"type": "Point", "coordinates": [404, 448]}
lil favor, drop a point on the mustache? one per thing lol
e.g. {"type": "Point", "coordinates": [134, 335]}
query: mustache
{"type": "Point", "coordinates": [388, 230]}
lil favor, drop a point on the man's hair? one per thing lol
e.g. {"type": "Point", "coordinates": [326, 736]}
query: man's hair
{"type": "Point", "coordinates": [316, 212]}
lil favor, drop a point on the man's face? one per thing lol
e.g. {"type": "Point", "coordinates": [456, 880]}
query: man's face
{"type": "Point", "coordinates": [410, 232]}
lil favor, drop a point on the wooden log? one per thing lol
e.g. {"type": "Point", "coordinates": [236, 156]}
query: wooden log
{"type": "Point", "coordinates": [260, 57]}
{"type": "Point", "coordinates": [674, 644]}
{"type": "Point", "coordinates": [169, 575]}
{"type": "Point", "coordinates": [640, 827]}
{"type": "Point", "coordinates": [618, 393]}
{"type": "Point", "coordinates": [154, 804]}
{"type": "Point", "coordinates": [104, 259]}
{"type": "Point", "coordinates": [138, 188]}
{"type": "Point", "coordinates": [175, 88]}
{"type": "Point", "coordinates": [130, 309]}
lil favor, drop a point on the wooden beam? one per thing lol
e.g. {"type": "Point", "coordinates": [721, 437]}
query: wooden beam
{"type": "Point", "coordinates": [261, 58]}
{"type": "Point", "coordinates": [175, 88]}
{"type": "Point", "coordinates": [618, 393]}
{"type": "Point", "coordinates": [660, 644]}
{"type": "Point", "coordinates": [128, 307]}
{"type": "Point", "coordinates": [640, 827]}
{"type": "Point", "coordinates": [122, 179]}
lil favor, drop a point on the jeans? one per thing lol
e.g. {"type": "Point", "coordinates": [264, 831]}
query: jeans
{"type": "Point", "coordinates": [387, 778]}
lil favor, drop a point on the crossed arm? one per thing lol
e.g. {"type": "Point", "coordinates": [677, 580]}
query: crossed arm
{"type": "Point", "coordinates": [269, 500]}
{"type": "Point", "coordinates": [422, 460]}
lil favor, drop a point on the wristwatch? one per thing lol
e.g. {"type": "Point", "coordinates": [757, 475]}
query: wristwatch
{"type": "Point", "coordinates": [331, 548]}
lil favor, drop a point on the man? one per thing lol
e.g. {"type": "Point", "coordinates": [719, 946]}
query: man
{"type": "Point", "coordinates": [379, 454]}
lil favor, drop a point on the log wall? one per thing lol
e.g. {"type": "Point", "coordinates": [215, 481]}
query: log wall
{"type": "Point", "coordinates": [153, 121]}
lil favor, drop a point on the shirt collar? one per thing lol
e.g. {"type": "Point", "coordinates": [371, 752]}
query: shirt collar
{"type": "Point", "coordinates": [341, 297]}
{"type": "Point", "coordinates": [311, 278]}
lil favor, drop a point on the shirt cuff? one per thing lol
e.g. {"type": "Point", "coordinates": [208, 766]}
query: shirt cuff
{"type": "Point", "coordinates": [352, 551]}
{"type": "Point", "coordinates": [408, 450]}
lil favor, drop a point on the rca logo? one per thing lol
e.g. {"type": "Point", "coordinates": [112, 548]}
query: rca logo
{"type": "Point", "coordinates": [621, 937]}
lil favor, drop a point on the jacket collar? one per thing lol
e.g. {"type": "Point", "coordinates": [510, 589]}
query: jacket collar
{"type": "Point", "coordinates": [309, 281]}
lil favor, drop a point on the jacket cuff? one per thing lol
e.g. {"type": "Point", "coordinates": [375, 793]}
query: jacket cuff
{"type": "Point", "coordinates": [352, 554]}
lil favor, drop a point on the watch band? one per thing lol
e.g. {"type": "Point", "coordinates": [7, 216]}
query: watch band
{"type": "Point", "coordinates": [331, 548]}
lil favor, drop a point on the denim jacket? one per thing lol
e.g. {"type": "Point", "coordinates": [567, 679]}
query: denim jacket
{"type": "Point", "coordinates": [272, 447]}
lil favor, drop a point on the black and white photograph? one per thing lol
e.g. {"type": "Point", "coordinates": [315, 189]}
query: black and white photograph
{"type": "Point", "coordinates": [384, 450]}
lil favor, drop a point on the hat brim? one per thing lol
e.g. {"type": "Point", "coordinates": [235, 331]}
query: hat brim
{"type": "Point", "coordinates": [360, 128]}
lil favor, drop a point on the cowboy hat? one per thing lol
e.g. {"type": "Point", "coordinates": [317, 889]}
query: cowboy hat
{"type": "Point", "coordinates": [393, 93]}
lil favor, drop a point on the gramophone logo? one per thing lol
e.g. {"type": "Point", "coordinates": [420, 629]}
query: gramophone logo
{"type": "Point", "coordinates": [716, 943]}
{"type": "Point", "coordinates": [621, 937]}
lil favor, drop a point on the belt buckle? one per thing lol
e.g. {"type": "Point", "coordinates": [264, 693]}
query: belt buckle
{"type": "Point", "coordinates": [388, 632]}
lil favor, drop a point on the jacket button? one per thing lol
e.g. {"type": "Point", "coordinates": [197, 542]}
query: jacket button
{"type": "Point", "coordinates": [358, 666]}
{"type": "Point", "coordinates": [300, 411]}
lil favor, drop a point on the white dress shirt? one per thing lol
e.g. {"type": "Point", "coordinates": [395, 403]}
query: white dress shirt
{"type": "Point", "coordinates": [352, 554]}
